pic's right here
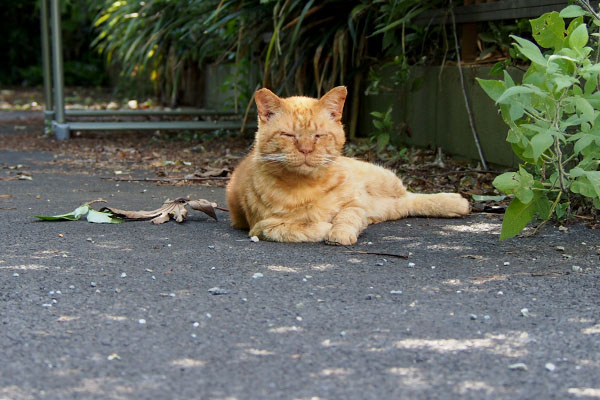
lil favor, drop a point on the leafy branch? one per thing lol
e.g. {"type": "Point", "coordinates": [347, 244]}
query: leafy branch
{"type": "Point", "coordinates": [554, 121]}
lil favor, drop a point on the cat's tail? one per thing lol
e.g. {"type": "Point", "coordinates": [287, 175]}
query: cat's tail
{"type": "Point", "coordinates": [446, 205]}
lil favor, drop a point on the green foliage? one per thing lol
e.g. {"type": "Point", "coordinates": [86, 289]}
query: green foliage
{"type": "Point", "coordinates": [290, 46]}
{"type": "Point", "coordinates": [21, 44]}
{"type": "Point", "coordinates": [554, 122]}
{"type": "Point", "coordinates": [384, 128]}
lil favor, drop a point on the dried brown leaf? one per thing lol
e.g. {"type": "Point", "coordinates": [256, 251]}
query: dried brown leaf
{"type": "Point", "coordinates": [175, 209]}
{"type": "Point", "coordinates": [205, 206]}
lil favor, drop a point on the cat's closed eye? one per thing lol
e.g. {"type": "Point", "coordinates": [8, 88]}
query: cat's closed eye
{"type": "Point", "coordinates": [287, 134]}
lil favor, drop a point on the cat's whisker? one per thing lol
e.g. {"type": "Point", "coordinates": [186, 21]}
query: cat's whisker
{"type": "Point", "coordinates": [327, 161]}
{"type": "Point", "coordinates": [271, 158]}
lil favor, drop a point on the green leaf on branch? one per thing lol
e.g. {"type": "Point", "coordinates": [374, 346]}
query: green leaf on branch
{"type": "Point", "coordinates": [562, 209]}
{"type": "Point", "coordinates": [585, 108]}
{"type": "Point", "coordinates": [549, 30]}
{"type": "Point", "coordinates": [519, 214]}
{"type": "Point", "coordinates": [579, 37]}
{"type": "Point", "coordinates": [492, 87]}
{"type": "Point", "coordinates": [517, 183]}
{"type": "Point", "coordinates": [572, 11]}
{"type": "Point", "coordinates": [540, 143]}
{"type": "Point", "coordinates": [529, 50]}
{"type": "Point", "coordinates": [517, 90]}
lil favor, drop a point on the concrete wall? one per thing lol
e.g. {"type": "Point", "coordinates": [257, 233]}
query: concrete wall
{"type": "Point", "coordinates": [435, 115]}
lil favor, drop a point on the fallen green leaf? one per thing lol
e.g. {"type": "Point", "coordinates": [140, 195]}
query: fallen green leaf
{"type": "Point", "coordinates": [102, 217]}
{"type": "Point", "coordinates": [478, 197]}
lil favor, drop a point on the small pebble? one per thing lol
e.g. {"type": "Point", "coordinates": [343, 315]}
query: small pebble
{"type": "Point", "coordinates": [141, 321]}
{"type": "Point", "coordinates": [506, 263]}
{"type": "Point", "coordinates": [518, 367]}
{"type": "Point", "coordinates": [500, 293]}
{"type": "Point", "coordinates": [208, 315]}
{"type": "Point", "coordinates": [254, 239]}
{"type": "Point", "coordinates": [54, 301]}
{"type": "Point", "coordinates": [16, 274]}
{"type": "Point", "coordinates": [298, 318]}
{"type": "Point", "coordinates": [576, 268]}
{"type": "Point", "coordinates": [560, 248]}
{"type": "Point", "coordinates": [211, 247]}
{"type": "Point", "coordinates": [123, 275]}
{"type": "Point", "coordinates": [46, 305]}
{"type": "Point", "coordinates": [433, 267]}
{"type": "Point", "coordinates": [195, 324]}
{"type": "Point", "coordinates": [524, 312]}
{"type": "Point", "coordinates": [171, 294]}
{"type": "Point", "coordinates": [257, 275]}
{"type": "Point", "coordinates": [395, 291]}
{"type": "Point", "coordinates": [93, 284]}
{"type": "Point", "coordinates": [153, 278]}
{"type": "Point", "coordinates": [71, 286]}
{"type": "Point", "coordinates": [379, 264]}
{"type": "Point", "coordinates": [486, 317]}
{"type": "Point", "coordinates": [342, 333]}
{"type": "Point", "coordinates": [411, 264]}
{"type": "Point", "coordinates": [89, 239]}
{"type": "Point", "coordinates": [58, 292]}
{"type": "Point", "coordinates": [550, 367]}
{"type": "Point", "coordinates": [217, 291]}
{"type": "Point", "coordinates": [193, 335]}
{"type": "Point", "coordinates": [473, 317]}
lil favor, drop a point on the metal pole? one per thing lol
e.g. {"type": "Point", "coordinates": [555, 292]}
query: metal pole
{"type": "Point", "coordinates": [48, 104]}
{"type": "Point", "coordinates": [61, 129]}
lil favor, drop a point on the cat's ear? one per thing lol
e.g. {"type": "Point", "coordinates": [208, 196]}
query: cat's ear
{"type": "Point", "coordinates": [267, 104]}
{"type": "Point", "coordinates": [333, 102]}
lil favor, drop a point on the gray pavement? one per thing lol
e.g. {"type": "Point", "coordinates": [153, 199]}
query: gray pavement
{"type": "Point", "coordinates": [90, 311]}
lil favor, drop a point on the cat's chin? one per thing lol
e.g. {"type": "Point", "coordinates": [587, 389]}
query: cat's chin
{"type": "Point", "coordinates": [306, 170]}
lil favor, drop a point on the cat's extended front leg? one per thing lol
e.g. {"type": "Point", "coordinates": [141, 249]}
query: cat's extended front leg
{"type": "Point", "coordinates": [280, 230]}
{"type": "Point", "coordinates": [347, 225]}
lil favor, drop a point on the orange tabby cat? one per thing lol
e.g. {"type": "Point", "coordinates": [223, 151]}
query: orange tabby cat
{"type": "Point", "coordinates": [295, 186]}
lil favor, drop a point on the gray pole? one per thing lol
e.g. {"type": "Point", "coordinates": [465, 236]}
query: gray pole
{"type": "Point", "coordinates": [48, 104]}
{"type": "Point", "coordinates": [60, 127]}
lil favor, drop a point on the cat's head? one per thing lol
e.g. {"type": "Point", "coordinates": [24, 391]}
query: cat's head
{"type": "Point", "coordinates": [300, 134]}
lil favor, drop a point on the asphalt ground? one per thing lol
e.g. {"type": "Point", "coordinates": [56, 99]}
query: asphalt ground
{"type": "Point", "coordinates": [126, 311]}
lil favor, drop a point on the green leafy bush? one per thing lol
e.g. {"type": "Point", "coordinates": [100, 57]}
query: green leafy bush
{"type": "Point", "coordinates": [554, 122]}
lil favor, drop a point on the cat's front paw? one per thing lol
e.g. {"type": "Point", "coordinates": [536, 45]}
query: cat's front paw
{"type": "Point", "coordinates": [341, 236]}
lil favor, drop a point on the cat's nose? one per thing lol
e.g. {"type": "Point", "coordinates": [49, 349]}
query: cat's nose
{"type": "Point", "coordinates": [305, 148]}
